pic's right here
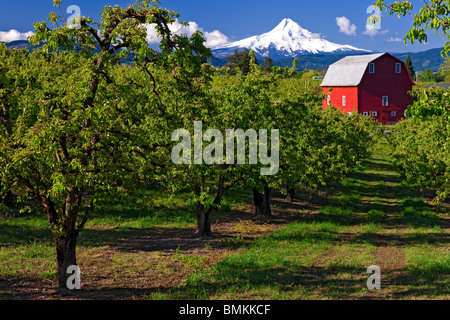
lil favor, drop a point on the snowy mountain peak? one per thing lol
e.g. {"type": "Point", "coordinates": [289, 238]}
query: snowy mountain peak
{"type": "Point", "coordinates": [288, 25]}
{"type": "Point", "coordinates": [287, 39]}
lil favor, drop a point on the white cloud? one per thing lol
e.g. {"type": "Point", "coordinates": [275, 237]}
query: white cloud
{"type": "Point", "coordinates": [152, 36]}
{"type": "Point", "coordinates": [213, 39]}
{"type": "Point", "coordinates": [372, 31]}
{"type": "Point", "coordinates": [176, 27]}
{"type": "Point", "coordinates": [392, 39]}
{"type": "Point", "coordinates": [188, 30]}
{"type": "Point", "coordinates": [345, 26]}
{"type": "Point", "coordinates": [14, 35]}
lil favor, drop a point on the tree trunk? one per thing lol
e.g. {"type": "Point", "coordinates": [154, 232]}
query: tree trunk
{"type": "Point", "coordinates": [290, 194]}
{"type": "Point", "coordinates": [204, 221]}
{"type": "Point", "coordinates": [205, 215]}
{"type": "Point", "coordinates": [266, 202]}
{"type": "Point", "coordinates": [66, 257]}
{"type": "Point", "coordinates": [65, 233]}
{"type": "Point", "coordinates": [262, 202]}
{"type": "Point", "coordinates": [257, 201]}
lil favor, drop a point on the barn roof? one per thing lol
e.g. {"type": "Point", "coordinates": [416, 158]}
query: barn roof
{"type": "Point", "coordinates": [349, 71]}
{"type": "Point", "coordinates": [446, 86]}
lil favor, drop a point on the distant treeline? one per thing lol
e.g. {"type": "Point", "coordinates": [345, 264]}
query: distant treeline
{"type": "Point", "coordinates": [430, 59]}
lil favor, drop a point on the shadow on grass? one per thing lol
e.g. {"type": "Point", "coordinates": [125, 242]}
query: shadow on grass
{"type": "Point", "coordinates": [336, 281]}
{"type": "Point", "coordinates": [14, 234]}
{"type": "Point", "coordinates": [383, 240]}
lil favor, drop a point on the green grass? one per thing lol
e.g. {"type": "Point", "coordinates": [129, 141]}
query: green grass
{"type": "Point", "coordinates": [28, 259]}
{"type": "Point", "coordinates": [375, 218]}
{"type": "Point", "coordinates": [27, 247]}
{"type": "Point", "coordinates": [153, 207]}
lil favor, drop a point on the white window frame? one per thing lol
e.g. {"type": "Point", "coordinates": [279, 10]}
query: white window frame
{"type": "Point", "coordinates": [372, 67]}
{"type": "Point", "coordinates": [344, 101]}
{"type": "Point", "coordinates": [398, 67]}
{"type": "Point", "coordinates": [385, 99]}
{"type": "Point", "coordinates": [329, 100]}
{"type": "Point", "coordinates": [374, 114]}
{"type": "Point", "coordinates": [365, 114]}
{"type": "Point", "coordinates": [393, 113]}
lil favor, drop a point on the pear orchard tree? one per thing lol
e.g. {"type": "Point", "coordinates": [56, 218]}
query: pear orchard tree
{"type": "Point", "coordinates": [12, 82]}
{"type": "Point", "coordinates": [233, 102]}
{"type": "Point", "coordinates": [423, 140]}
{"type": "Point", "coordinates": [69, 132]}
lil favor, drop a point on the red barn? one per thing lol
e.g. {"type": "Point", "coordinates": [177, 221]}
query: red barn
{"type": "Point", "coordinates": [375, 85]}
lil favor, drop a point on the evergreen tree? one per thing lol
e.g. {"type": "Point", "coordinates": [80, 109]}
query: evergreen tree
{"type": "Point", "coordinates": [245, 62]}
{"type": "Point", "coordinates": [239, 60]}
{"type": "Point", "coordinates": [410, 67]}
{"type": "Point", "coordinates": [268, 64]}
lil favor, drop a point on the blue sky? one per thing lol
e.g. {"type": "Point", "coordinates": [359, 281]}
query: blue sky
{"type": "Point", "coordinates": [238, 19]}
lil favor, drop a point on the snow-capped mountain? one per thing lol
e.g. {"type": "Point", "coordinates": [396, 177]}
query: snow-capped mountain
{"type": "Point", "coordinates": [288, 39]}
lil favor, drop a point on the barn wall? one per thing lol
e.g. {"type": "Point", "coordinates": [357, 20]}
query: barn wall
{"type": "Point", "coordinates": [385, 82]}
{"type": "Point", "coordinates": [351, 94]}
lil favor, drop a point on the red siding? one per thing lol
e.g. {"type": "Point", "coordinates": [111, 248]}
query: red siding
{"type": "Point", "coordinates": [368, 96]}
{"type": "Point", "coordinates": [386, 82]}
{"type": "Point", "coordinates": [350, 93]}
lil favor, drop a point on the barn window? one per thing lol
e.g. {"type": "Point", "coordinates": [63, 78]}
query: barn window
{"type": "Point", "coordinates": [374, 114]}
{"type": "Point", "coordinates": [344, 101]}
{"type": "Point", "coordinates": [366, 114]}
{"type": "Point", "coordinates": [398, 68]}
{"type": "Point", "coordinates": [385, 101]}
{"type": "Point", "coordinates": [329, 100]}
{"type": "Point", "coordinates": [372, 68]}
{"type": "Point", "coordinates": [394, 113]}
